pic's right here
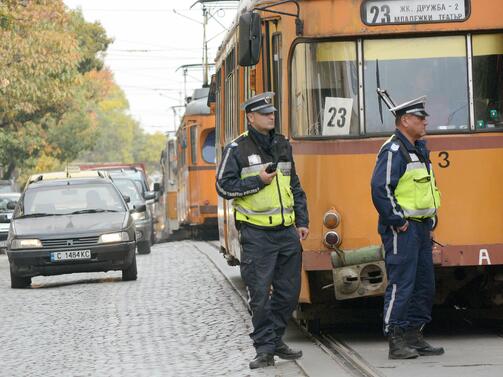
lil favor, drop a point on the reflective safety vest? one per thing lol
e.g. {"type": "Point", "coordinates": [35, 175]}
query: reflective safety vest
{"type": "Point", "coordinates": [416, 191]}
{"type": "Point", "coordinates": [273, 204]}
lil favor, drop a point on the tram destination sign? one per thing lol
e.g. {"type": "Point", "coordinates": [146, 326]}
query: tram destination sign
{"type": "Point", "coordinates": [396, 12]}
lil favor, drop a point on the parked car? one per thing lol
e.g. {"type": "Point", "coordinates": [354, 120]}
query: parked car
{"type": "Point", "coordinates": [7, 204]}
{"type": "Point", "coordinates": [138, 178]}
{"type": "Point", "coordinates": [8, 185]}
{"type": "Point", "coordinates": [142, 219]}
{"type": "Point", "coordinates": [64, 224]}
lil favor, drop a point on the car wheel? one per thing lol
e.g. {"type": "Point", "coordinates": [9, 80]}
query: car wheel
{"type": "Point", "coordinates": [144, 247]}
{"type": "Point", "coordinates": [131, 272]}
{"type": "Point", "coordinates": [18, 281]}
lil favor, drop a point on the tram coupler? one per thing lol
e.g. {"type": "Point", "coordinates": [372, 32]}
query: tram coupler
{"type": "Point", "coordinates": [359, 272]}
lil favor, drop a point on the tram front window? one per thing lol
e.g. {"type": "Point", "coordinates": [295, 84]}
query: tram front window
{"type": "Point", "coordinates": [488, 80]}
{"type": "Point", "coordinates": [413, 67]}
{"type": "Point", "coordinates": [325, 90]}
{"type": "Point", "coordinates": [209, 148]}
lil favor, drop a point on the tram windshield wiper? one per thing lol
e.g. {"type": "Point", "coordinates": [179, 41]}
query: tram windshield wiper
{"type": "Point", "coordinates": [37, 214]}
{"type": "Point", "coordinates": [93, 210]}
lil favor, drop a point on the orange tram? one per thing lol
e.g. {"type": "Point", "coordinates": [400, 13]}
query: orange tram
{"type": "Point", "coordinates": [325, 60]}
{"type": "Point", "coordinates": [189, 201]}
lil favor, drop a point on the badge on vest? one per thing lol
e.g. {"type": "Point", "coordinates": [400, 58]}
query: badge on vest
{"type": "Point", "coordinates": [254, 159]}
{"type": "Point", "coordinates": [394, 147]}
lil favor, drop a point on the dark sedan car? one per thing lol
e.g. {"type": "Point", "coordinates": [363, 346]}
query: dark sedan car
{"type": "Point", "coordinates": [71, 225]}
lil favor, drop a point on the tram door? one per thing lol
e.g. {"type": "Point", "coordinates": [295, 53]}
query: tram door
{"type": "Point", "coordinates": [171, 187]}
{"type": "Point", "coordinates": [231, 131]}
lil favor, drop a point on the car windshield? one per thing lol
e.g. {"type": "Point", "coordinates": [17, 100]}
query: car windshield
{"type": "Point", "coordinates": [129, 188]}
{"type": "Point", "coordinates": [72, 198]}
{"type": "Point", "coordinates": [136, 176]}
{"type": "Point", "coordinates": [5, 188]}
{"type": "Point", "coordinates": [5, 199]}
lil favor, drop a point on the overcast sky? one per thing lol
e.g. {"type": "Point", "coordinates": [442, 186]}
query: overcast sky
{"type": "Point", "coordinates": [152, 38]}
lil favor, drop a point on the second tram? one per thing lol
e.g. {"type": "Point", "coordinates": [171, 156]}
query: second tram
{"type": "Point", "coordinates": [188, 170]}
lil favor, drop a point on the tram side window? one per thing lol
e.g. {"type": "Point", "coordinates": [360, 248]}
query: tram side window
{"type": "Point", "coordinates": [231, 98]}
{"type": "Point", "coordinates": [208, 151]}
{"type": "Point", "coordinates": [413, 67]}
{"type": "Point", "coordinates": [182, 148]}
{"type": "Point", "coordinates": [488, 80]}
{"type": "Point", "coordinates": [325, 90]}
{"type": "Point", "coordinates": [193, 144]}
{"type": "Point", "coordinates": [172, 168]}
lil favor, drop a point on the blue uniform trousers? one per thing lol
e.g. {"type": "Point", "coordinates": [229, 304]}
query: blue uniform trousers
{"type": "Point", "coordinates": [411, 280]}
{"type": "Point", "coordinates": [270, 258]}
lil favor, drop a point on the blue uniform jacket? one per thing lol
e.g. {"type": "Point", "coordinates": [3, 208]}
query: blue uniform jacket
{"type": "Point", "coordinates": [229, 184]}
{"type": "Point", "coordinates": [390, 166]}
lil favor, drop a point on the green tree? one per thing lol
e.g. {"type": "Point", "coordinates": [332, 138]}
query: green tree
{"type": "Point", "coordinates": [92, 41]}
{"type": "Point", "coordinates": [49, 87]}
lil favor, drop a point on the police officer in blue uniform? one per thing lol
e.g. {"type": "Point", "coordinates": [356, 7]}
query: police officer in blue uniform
{"type": "Point", "coordinates": [406, 197]}
{"type": "Point", "coordinates": [257, 171]}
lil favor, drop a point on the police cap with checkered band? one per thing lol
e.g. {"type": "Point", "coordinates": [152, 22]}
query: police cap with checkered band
{"type": "Point", "coordinates": [261, 103]}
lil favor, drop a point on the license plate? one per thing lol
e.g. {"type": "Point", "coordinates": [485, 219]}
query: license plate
{"type": "Point", "coordinates": [70, 255]}
{"type": "Point", "coordinates": [3, 244]}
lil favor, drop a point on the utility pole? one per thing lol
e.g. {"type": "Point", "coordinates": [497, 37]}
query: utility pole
{"type": "Point", "coordinates": [205, 48]}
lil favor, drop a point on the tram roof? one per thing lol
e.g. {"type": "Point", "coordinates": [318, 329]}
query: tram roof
{"type": "Point", "coordinates": [199, 103]}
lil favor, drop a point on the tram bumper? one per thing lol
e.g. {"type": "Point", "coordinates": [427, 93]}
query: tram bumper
{"type": "Point", "coordinates": [359, 273]}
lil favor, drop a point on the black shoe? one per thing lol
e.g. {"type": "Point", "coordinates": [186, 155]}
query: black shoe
{"type": "Point", "coordinates": [286, 353]}
{"type": "Point", "coordinates": [262, 360]}
{"type": "Point", "coordinates": [398, 348]}
{"type": "Point", "coordinates": [414, 338]}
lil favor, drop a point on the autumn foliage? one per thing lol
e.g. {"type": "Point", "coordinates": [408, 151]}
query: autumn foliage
{"type": "Point", "coordinates": [57, 100]}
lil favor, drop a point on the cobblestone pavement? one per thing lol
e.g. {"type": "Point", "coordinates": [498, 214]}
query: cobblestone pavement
{"type": "Point", "coordinates": [180, 318]}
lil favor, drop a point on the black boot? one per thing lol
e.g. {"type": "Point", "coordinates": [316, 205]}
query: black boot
{"type": "Point", "coordinates": [262, 360]}
{"type": "Point", "coordinates": [286, 353]}
{"type": "Point", "coordinates": [398, 348]}
{"type": "Point", "coordinates": [414, 338]}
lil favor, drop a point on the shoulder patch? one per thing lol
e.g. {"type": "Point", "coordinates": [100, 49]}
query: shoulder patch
{"type": "Point", "coordinates": [233, 144]}
{"type": "Point", "coordinates": [394, 147]}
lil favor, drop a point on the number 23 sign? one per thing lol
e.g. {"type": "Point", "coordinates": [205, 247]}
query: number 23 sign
{"type": "Point", "coordinates": [337, 116]}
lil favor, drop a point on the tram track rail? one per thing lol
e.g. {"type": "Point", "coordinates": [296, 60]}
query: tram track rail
{"type": "Point", "coordinates": [345, 356]}
{"type": "Point", "coordinates": [349, 359]}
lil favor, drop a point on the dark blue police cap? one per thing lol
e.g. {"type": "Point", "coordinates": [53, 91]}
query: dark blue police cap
{"type": "Point", "coordinates": [414, 107]}
{"type": "Point", "coordinates": [261, 103]}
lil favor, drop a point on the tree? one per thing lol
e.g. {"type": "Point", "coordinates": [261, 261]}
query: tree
{"type": "Point", "coordinates": [49, 86]}
{"type": "Point", "coordinates": [92, 42]}
{"type": "Point", "coordinates": [38, 61]}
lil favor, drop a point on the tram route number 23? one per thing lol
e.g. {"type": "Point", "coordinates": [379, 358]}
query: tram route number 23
{"type": "Point", "coordinates": [337, 116]}
{"type": "Point", "coordinates": [444, 159]}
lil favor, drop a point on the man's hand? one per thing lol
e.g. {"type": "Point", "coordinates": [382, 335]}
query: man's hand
{"type": "Point", "coordinates": [303, 232]}
{"type": "Point", "coordinates": [403, 228]}
{"type": "Point", "coordinates": [266, 177]}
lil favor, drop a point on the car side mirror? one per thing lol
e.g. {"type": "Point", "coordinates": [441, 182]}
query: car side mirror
{"type": "Point", "coordinates": [157, 186]}
{"type": "Point", "coordinates": [11, 205]}
{"type": "Point", "coordinates": [140, 208]}
{"type": "Point", "coordinates": [250, 37]}
{"type": "Point", "coordinates": [126, 198]}
{"type": "Point", "coordinates": [149, 195]}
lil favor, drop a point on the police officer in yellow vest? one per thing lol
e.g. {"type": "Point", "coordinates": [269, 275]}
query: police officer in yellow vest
{"type": "Point", "coordinates": [406, 196]}
{"type": "Point", "coordinates": [257, 171]}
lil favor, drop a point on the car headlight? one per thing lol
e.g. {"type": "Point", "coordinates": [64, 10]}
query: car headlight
{"type": "Point", "coordinates": [18, 243]}
{"type": "Point", "coordinates": [113, 237]}
{"type": "Point", "coordinates": [139, 215]}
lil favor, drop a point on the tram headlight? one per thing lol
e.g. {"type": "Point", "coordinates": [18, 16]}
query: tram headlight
{"type": "Point", "coordinates": [331, 219]}
{"type": "Point", "coordinates": [332, 239]}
